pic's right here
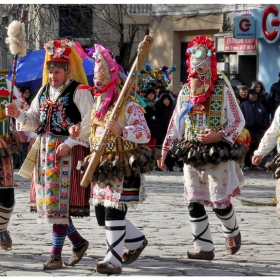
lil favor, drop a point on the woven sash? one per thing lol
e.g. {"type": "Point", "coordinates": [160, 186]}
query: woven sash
{"type": "Point", "coordinates": [28, 165]}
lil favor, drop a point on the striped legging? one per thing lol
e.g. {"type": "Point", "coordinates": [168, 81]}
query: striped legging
{"type": "Point", "coordinates": [7, 202]}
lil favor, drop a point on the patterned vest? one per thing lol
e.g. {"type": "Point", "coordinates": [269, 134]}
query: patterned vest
{"type": "Point", "coordinates": [211, 109]}
{"type": "Point", "coordinates": [56, 117]}
{"type": "Point", "coordinates": [114, 144]}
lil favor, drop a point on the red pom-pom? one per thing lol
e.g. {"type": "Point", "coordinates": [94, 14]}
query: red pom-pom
{"type": "Point", "coordinates": [56, 43]}
{"type": "Point", "coordinates": [67, 51]}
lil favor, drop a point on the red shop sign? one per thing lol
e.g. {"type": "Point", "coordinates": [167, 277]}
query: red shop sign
{"type": "Point", "coordinates": [232, 44]}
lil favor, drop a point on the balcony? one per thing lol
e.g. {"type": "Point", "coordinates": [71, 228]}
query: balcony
{"type": "Point", "coordinates": [138, 14]}
{"type": "Point", "coordinates": [139, 9]}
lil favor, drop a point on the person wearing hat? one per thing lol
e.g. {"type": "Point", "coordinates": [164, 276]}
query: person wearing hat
{"type": "Point", "coordinates": [256, 121]}
{"type": "Point", "coordinates": [206, 117]}
{"type": "Point", "coordinates": [274, 97]}
{"type": "Point", "coordinates": [58, 105]}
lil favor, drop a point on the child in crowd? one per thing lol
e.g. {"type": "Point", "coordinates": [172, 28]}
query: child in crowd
{"type": "Point", "coordinates": [245, 139]}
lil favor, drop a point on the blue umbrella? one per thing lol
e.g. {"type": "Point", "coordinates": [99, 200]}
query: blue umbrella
{"type": "Point", "coordinates": [29, 70]}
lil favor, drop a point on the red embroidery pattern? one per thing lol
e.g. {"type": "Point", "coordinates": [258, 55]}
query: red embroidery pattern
{"type": "Point", "coordinates": [137, 129]}
{"type": "Point", "coordinates": [171, 137]}
{"type": "Point", "coordinates": [230, 129]}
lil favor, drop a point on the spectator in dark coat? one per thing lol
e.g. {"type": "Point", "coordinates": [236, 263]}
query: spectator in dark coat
{"type": "Point", "coordinates": [165, 107]}
{"type": "Point", "coordinates": [274, 97]}
{"type": "Point", "coordinates": [262, 94]}
{"type": "Point", "coordinates": [256, 121]}
{"type": "Point", "coordinates": [158, 89]}
{"type": "Point", "coordinates": [152, 118]}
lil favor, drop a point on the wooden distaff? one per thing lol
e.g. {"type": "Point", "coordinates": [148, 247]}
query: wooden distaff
{"type": "Point", "coordinates": [143, 49]}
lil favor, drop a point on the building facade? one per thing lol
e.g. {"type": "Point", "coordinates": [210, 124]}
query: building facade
{"type": "Point", "coordinates": [171, 25]}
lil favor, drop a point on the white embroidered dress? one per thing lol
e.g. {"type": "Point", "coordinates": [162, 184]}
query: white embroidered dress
{"type": "Point", "coordinates": [210, 185]}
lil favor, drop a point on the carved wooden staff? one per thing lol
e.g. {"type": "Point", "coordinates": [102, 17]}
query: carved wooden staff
{"type": "Point", "coordinates": [143, 50]}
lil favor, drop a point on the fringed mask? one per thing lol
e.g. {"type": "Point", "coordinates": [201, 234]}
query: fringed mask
{"type": "Point", "coordinates": [105, 77]}
{"type": "Point", "coordinates": [202, 68]}
{"type": "Point", "coordinates": [102, 75]}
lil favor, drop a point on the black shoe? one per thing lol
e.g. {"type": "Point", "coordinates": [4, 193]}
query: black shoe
{"type": "Point", "coordinates": [157, 168]}
{"type": "Point", "coordinates": [5, 240]}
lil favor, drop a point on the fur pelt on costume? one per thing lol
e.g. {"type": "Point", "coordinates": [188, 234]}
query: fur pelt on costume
{"type": "Point", "coordinates": [16, 39]}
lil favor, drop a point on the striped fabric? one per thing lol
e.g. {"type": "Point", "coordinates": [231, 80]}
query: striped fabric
{"type": "Point", "coordinates": [28, 165]}
{"type": "Point", "coordinates": [58, 238]}
{"type": "Point", "coordinates": [5, 215]}
{"type": "Point", "coordinates": [79, 196]}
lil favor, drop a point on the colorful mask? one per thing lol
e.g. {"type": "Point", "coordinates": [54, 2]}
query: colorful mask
{"type": "Point", "coordinates": [105, 77]}
{"type": "Point", "coordinates": [202, 68]}
{"type": "Point", "coordinates": [150, 76]}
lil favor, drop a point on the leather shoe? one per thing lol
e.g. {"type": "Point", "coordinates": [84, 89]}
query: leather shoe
{"type": "Point", "coordinates": [201, 255]}
{"type": "Point", "coordinates": [77, 256]}
{"type": "Point", "coordinates": [133, 255]}
{"type": "Point", "coordinates": [233, 244]}
{"type": "Point", "coordinates": [5, 241]}
{"type": "Point", "coordinates": [107, 268]}
{"type": "Point", "coordinates": [54, 262]}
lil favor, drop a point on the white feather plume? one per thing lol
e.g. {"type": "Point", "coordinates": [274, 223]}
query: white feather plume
{"type": "Point", "coordinates": [16, 38]}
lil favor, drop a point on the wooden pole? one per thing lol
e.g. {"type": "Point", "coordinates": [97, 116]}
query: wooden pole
{"type": "Point", "coordinates": [15, 62]}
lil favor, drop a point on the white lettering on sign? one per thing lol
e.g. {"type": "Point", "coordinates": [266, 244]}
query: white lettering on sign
{"type": "Point", "coordinates": [232, 44]}
{"type": "Point", "coordinates": [233, 40]}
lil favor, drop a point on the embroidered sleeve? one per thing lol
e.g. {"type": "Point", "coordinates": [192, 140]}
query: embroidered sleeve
{"type": "Point", "coordinates": [84, 101]}
{"type": "Point", "coordinates": [29, 120]}
{"type": "Point", "coordinates": [269, 140]}
{"type": "Point", "coordinates": [234, 117]}
{"type": "Point", "coordinates": [136, 129]}
{"type": "Point", "coordinates": [172, 135]}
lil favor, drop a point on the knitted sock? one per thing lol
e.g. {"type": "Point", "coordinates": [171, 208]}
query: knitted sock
{"type": "Point", "coordinates": [76, 239]}
{"type": "Point", "coordinates": [58, 237]}
{"type": "Point", "coordinates": [133, 237]}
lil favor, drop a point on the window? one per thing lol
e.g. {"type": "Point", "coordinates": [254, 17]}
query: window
{"type": "Point", "coordinates": [75, 21]}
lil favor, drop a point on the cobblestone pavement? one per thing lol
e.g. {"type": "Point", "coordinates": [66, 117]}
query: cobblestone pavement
{"type": "Point", "coordinates": [164, 220]}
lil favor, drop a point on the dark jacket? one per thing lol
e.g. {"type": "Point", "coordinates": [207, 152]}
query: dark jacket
{"type": "Point", "coordinates": [164, 113]}
{"type": "Point", "coordinates": [256, 119]}
{"type": "Point", "coordinates": [262, 95]}
{"type": "Point", "coordinates": [263, 99]}
{"type": "Point", "coordinates": [152, 119]}
{"type": "Point", "coordinates": [274, 97]}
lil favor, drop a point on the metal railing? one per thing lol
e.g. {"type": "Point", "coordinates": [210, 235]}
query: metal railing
{"type": "Point", "coordinates": [139, 9]}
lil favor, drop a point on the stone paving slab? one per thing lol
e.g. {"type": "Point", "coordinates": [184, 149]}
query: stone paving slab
{"type": "Point", "coordinates": [164, 220]}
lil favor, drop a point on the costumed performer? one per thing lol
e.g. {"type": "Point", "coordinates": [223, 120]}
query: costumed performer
{"type": "Point", "coordinates": [57, 106]}
{"type": "Point", "coordinates": [206, 122]}
{"type": "Point", "coordinates": [115, 186]}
